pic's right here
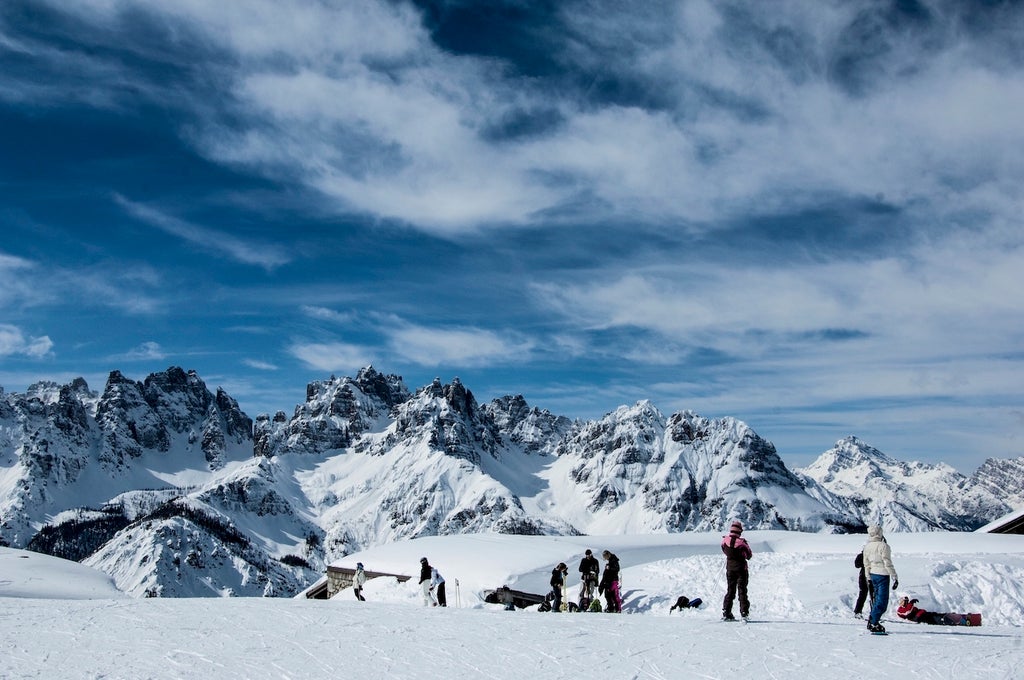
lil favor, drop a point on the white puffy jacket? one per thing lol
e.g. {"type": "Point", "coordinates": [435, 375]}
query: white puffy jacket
{"type": "Point", "coordinates": [877, 555]}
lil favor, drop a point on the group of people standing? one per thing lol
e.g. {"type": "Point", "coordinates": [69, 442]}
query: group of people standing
{"type": "Point", "coordinates": [590, 568]}
{"type": "Point", "coordinates": [876, 577]}
{"type": "Point", "coordinates": [431, 585]}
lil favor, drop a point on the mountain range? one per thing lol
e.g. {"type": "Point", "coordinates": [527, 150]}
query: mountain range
{"type": "Point", "coordinates": [174, 491]}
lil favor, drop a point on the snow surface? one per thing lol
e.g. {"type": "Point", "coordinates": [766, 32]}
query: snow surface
{"type": "Point", "coordinates": [59, 620]}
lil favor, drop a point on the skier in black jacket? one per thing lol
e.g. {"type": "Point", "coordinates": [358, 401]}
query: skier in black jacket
{"type": "Point", "coordinates": [558, 575]}
{"type": "Point", "coordinates": [589, 569]}
{"type": "Point", "coordinates": [425, 574]}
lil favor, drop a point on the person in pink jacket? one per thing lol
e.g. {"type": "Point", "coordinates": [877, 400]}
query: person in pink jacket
{"type": "Point", "coordinates": [881, 573]}
{"type": "Point", "coordinates": [737, 552]}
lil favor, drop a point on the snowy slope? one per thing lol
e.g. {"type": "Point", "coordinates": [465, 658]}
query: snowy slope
{"type": "Point", "coordinates": [801, 585]}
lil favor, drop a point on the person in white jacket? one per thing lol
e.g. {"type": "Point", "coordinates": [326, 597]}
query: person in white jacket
{"type": "Point", "coordinates": [437, 587]}
{"type": "Point", "coordinates": [358, 579]}
{"type": "Point", "coordinates": [880, 571]}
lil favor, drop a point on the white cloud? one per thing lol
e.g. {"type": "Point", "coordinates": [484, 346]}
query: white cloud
{"type": "Point", "coordinates": [326, 314]}
{"type": "Point", "coordinates": [259, 365]}
{"type": "Point", "coordinates": [145, 352]}
{"type": "Point", "coordinates": [14, 342]}
{"type": "Point", "coordinates": [461, 346]}
{"type": "Point", "coordinates": [331, 356]}
{"type": "Point", "coordinates": [752, 116]}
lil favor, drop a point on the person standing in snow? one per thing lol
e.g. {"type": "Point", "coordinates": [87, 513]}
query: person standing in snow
{"type": "Point", "coordinates": [589, 569]}
{"type": "Point", "coordinates": [610, 582]}
{"type": "Point", "coordinates": [558, 575]}
{"type": "Point", "coordinates": [437, 587]}
{"type": "Point", "coordinates": [357, 582]}
{"type": "Point", "coordinates": [862, 586]}
{"type": "Point", "coordinates": [425, 574]}
{"type": "Point", "coordinates": [737, 552]}
{"type": "Point", "coordinates": [879, 569]}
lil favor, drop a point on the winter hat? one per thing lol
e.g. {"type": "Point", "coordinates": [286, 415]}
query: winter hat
{"type": "Point", "coordinates": [875, 531]}
{"type": "Point", "coordinates": [588, 553]}
{"type": "Point", "coordinates": [359, 565]}
{"type": "Point", "coordinates": [423, 560]}
{"type": "Point", "coordinates": [736, 528]}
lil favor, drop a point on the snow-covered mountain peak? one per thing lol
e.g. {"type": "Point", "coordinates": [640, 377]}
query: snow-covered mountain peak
{"type": "Point", "coordinates": [363, 461]}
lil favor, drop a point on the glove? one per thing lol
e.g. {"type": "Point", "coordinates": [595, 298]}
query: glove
{"type": "Point", "coordinates": [895, 583]}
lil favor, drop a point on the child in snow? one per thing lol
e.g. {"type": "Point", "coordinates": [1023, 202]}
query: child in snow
{"type": "Point", "coordinates": [357, 582]}
{"type": "Point", "coordinates": [908, 610]}
{"type": "Point", "coordinates": [879, 569]}
{"type": "Point", "coordinates": [737, 552]}
{"type": "Point", "coordinates": [685, 603]}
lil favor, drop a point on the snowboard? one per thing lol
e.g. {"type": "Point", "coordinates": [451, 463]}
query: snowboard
{"type": "Point", "coordinates": [963, 619]}
{"type": "Point", "coordinates": [878, 632]}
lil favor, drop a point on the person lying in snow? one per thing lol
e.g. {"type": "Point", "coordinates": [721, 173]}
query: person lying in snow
{"type": "Point", "coordinates": [909, 610]}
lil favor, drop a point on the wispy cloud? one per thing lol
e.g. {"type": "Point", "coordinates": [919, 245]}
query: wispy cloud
{"type": "Point", "coordinates": [259, 365]}
{"type": "Point", "coordinates": [692, 112]}
{"type": "Point", "coordinates": [430, 346]}
{"type": "Point", "coordinates": [265, 255]}
{"type": "Point", "coordinates": [13, 341]}
{"type": "Point", "coordinates": [331, 356]}
{"type": "Point", "coordinates": [129, 287]}
{"type": "Point", "coordinates": [147, 351]}
{"type": "Point", "coordinates": [326, 314]}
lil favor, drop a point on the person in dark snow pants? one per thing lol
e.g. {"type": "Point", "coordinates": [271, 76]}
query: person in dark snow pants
{"type": "Point", "coordinates": [357, 582]}
{"type": "Point", "coordinates": [558, 575]}
{"type": "Point", "coordinates": [437, 587]}
{"type": "Point", "coordinates": [589, 570]}
{"type": "Point", "coordinates": [610, 582]}
{"type": "Point", "coordinates": [737, 552]}
{"type": "Point", "coordinates": [862, 586]}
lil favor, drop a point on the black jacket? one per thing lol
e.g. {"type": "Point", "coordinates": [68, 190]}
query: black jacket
{"type": "Point", "coordinates": [424, 571]}
{"type": "Point", "coordinates": [611, 572]}
{"type": "Point", "coordinates": [590, 565]}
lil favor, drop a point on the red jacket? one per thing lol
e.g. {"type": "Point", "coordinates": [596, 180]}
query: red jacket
{"type": "Point", "coordinates": [909, 611]}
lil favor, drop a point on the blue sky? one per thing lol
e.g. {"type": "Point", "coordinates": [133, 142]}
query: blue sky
{"type": "Point", "coordinates": [806, 214]}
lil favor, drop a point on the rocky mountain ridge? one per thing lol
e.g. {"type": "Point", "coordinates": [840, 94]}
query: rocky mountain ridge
{"type": "Point", "coordinates": [175, 492]}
